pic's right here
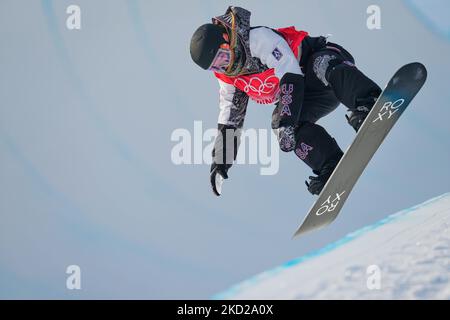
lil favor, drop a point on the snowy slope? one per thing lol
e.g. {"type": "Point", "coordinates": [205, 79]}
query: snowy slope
{"type": "Point", "coordinates": [411, 250]}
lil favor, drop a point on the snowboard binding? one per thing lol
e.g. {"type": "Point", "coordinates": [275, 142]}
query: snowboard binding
{"type": "Point", "coordinates": [359, 114]}
{"type": "Point", "coordinates": [316, 183]}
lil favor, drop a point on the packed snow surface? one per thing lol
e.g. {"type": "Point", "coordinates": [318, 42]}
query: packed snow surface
{"type": "Point", "coordinates": [404, 256]}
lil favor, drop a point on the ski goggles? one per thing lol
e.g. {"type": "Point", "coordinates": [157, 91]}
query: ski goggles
{"type": "Point", "coordinates": [221, 60]}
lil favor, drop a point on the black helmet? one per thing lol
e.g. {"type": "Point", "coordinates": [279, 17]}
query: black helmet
{"type": "Point", "coordinates": [205, 43]}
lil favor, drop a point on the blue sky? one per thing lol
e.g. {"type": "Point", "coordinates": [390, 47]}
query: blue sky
{"type": "Point", "coordinates": [86, 118]}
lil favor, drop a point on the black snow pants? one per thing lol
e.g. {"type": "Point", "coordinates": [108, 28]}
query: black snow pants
{"type": "Point", "coordinates": [331, 78]}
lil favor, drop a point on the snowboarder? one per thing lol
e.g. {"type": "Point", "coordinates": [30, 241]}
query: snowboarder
{"type": "Point", "coordinates": [305, 77]}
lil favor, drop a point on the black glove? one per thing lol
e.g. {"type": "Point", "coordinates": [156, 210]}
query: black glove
{"type": "Point", "coordinates": [218, 172]}
{"type": "Point", "coordinates": [223, 158]}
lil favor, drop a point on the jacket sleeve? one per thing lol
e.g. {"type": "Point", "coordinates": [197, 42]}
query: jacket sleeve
{"type": "Point", "coordinates": [233, 106]}
{"type": "Point", "coordinates": [274, 52]}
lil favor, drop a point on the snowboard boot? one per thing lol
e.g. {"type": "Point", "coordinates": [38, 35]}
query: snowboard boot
{"type": "Point", "coordinates": [316, 183]}
{"type": "Point", "coordinates": [359, 114]}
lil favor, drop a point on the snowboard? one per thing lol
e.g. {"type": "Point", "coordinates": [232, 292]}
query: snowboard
{"type": "Point", "coordinates": [390, 105]}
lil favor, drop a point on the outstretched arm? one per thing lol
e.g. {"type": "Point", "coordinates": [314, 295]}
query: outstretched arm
{"type": "Point", "coordinates": [233, 106]}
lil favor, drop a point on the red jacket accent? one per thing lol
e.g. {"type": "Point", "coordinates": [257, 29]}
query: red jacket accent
{"type": "Point", "coordinates": [264, 87]}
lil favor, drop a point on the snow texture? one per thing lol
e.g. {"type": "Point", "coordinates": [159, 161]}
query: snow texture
{"type": "Point", "coordinates": [410, 250]}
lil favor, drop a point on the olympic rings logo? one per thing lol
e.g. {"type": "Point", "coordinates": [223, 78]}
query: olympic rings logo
{"type": "Point", "coordinates": [257, 86]}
